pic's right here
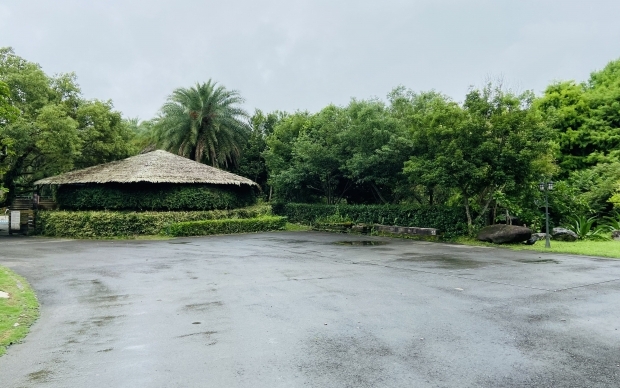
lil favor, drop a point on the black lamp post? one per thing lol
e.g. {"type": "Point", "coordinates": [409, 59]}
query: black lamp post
{"type": "Point", "coordinates": [546, 186]}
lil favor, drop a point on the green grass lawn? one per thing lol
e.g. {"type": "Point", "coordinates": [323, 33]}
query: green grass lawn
{"type": "Point", "coordinates": [19, 311]}
{"type": "Point", "coordinates": [588, 248]}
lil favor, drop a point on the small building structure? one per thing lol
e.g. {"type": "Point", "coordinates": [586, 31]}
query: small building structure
{"type": "Point", "coordinates": [156, 180]}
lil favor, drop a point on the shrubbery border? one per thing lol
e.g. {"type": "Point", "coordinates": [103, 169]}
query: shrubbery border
{"type": "Point", "coordinates": [451, 221]}
{"type": "Point", "coordinates": [97, 224]}
{"type": "Point", "coordinates": [228, 226]}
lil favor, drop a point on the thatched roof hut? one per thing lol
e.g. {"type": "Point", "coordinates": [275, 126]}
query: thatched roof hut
{"type": "Point", "coordinates": [153, 167]}
{"type": "Point", "coordinates": [156, 180]}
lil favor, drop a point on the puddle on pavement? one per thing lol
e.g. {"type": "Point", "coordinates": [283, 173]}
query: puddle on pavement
{"type": "Point", "coordinates": [39, 376]}
{"type": "Point", "coordinates": [444, 261]}
{"type": "Point", "coordinates": [296, 241]}
{"type": "Point", "coordinates": [110, 298]}
{"type": "Point", "coordinates": [540, 261]}
{"type": "Point", "coordinates": [360, 243]}
{"type": "Point", "coordinates": [179, 242]}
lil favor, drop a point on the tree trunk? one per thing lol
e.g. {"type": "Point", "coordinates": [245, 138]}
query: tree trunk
{"type": "Point", "coordinates": [378, 193]}
{"type": "Point", "coordinates": [470, 227]}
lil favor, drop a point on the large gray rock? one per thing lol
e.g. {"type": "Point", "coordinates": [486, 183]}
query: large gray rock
{"type": "Point", "coordinates": [535, 237]}
{"type": "Point", "coordinates": [563, 234]}
{"type": "Point", "coordinates": [615, 235]}
{"type": "Point", "coordinates": [504, 234]}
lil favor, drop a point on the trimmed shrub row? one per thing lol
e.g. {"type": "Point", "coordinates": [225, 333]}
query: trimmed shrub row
{"type": "Point", "coordinates": [149, 196]}
{"type": "Point", "coordinates": [240, 225]}
{"type": "Point", "coordinates": [451, 221]}
{"type": "Point", "coordinates": [89, 224]}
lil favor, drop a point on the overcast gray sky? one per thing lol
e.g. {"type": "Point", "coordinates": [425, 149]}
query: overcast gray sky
{"type": "Point", "coordinates": [305, 54]}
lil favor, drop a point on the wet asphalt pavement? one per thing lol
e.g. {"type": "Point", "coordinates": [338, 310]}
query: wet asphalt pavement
{"type": "Point", "coordinates": [295, 309]}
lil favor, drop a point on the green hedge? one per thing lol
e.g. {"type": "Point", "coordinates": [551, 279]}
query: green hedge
{"type": "Point", "coordinates": [149, 196]}
{"type": "Point", "coordinates": [93, 224]}
{"type": "Point", "coordinates": [451, 221]}
{"type": "Point", "coordinates": [240, 225]}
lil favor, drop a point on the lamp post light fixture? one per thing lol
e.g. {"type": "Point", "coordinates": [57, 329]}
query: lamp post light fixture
{"type": "Point", "coordinates": [546, 186]}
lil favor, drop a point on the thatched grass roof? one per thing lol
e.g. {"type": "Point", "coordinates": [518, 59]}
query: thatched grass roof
{"type": "Point", "coordinates": [153, 167]}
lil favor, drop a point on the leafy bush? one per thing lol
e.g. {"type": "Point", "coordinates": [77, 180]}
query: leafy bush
{"type": "Point", "coordinates": [613, 223]}
{"type": "Point", "coordinates": [149, 196]}
{"type": "Point", "coordinates": [585, 230]}
{"type": "Point", "coordinates": [451, 221]}
{"type": "Point", "coordinates": [227, 226]}
{"type": "Point", "coordinates": [90, 224]}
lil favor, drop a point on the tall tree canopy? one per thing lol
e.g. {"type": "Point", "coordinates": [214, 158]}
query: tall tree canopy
{"type": "Point", "coordinates": [56, 129]}
{"type": "Point", "coordinates": [496, 144]}
{"type": "Point", "coordinates": [252, 163]}
{"type": "Point", "coordinates": [586, 117]}
{"type": "Point", "coordinates": [204, 123]}
{"type": "Point", "coordinates": [8, 114]}
{"type": "Point", "coordinates": [353, 153]}
{"type": "Point", "coordinates": [304, 159]}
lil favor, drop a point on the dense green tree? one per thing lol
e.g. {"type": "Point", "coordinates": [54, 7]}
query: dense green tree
{"type": "Point", "coordinates": [304, 157]}
{"type": "Point", "coordinates": [252, 163]}
{"type": "Point", "coordinates": [8, 114]}
{"type": "Point", "coordinates": [615, 198]}
{"type": "Point", "coordinates": [496, 143]}
{"type": "Point", "coordinates": [203, 123]}
{"type": "Point", "coordinates": [143, 134]}
{"type": "Point", "coordinates": [586, 118]}
{"type": "Point", "coordinates": [374, 146]}
{"type": "Point", "coordinates": [56, 129]}
{"type": "Point", "coordinates": [104, 135]}
{"type": "Point", "coordinates": [353, 153]}
{"type": "Point", "coordinates": [420, 113]}
{"type": "Point", "coordinates": [591, 190]}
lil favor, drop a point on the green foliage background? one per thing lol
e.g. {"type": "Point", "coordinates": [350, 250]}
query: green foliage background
{"type": "Point", "coordinates": [420, 150]}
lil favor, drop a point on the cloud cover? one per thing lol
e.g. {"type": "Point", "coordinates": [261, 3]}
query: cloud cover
{"type": "Point", "coordinates": [305, 54]}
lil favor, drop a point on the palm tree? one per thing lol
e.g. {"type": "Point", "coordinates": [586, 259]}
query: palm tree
{"type": "Point", "coordinates": [203, 123]}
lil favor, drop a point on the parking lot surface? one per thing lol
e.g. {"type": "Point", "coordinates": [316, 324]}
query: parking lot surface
{"type": "Point", "coordinates": [308, 309]}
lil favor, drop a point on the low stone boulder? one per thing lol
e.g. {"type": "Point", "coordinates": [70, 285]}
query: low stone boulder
{"type": "Point", "coordinates": [406, 230]}
{"type": "Point", "coordinates": [615, 235]}
{"type": "Point", "coordinates": [535, 237]}
{"type": "Point", "coordinates": [504, 234]}
{"type": "Point", "coordinates": [361, 228]}
{"type": "Point", "coordinates": [563, 234]}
